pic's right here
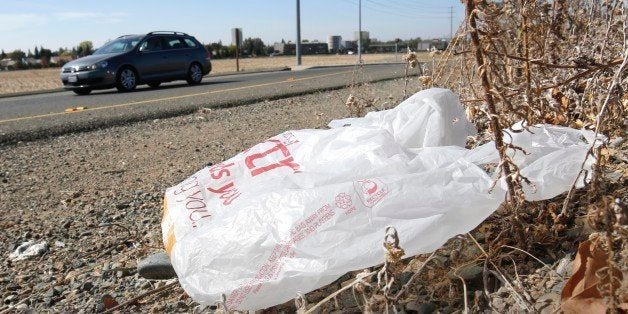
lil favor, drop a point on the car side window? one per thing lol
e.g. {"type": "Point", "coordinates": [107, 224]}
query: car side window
{"type": "Point", "coordinates": [152, 44]}
{"type": "Point", "coordinates": [190, 43]}
{"type": "Point", "coordinates": [175, 43]}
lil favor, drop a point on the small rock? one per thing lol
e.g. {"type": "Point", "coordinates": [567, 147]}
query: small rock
{"type": "Point", "coordinates": [10, 299]}
{"type": "Point", "coordinates": [59, 244]}
{"type": "Point", "coordinates": [87, 286]}
{"type": "Point", "coordinates": [422, 308]}
{"type": "Point", "coordinates": [499, 305]}
{"type": "Point", "coordinates": [547, 303]}
{"type": "Point", "coordinates": [12, 287]}
{"type": "Point", "coordinates": [29, 249]}
{"type": "Point", "coordinates": [565, 266]}
{"type": "Point", "coordinates": [618, 141]}
{"type": "Point", "coordinates": [122, 205]}
{"type": "Point", "coordinates": [467, 272]}
{"type": "Point", "coordinates": [156, 266]}
{"type": "Point", "coordinates": [405, 277]}
{"type": "Point", "coordinates": [502, 292]}
{"type": "Point", "coordinates": [51, 293]}
{"type": "Point", "coordinates": [550, 297]}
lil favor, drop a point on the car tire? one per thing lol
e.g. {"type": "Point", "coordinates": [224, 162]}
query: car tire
{"type": "Point", "coordinates": [195, 74]}
{"type": "Point", "coordinates": [82, 91]}
{"type": "Point", "coordinates": [126, 80]}
{"type": "Point", "coordinates": [154, 84]}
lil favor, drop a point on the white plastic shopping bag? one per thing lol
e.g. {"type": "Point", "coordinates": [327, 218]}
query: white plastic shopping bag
{"type": "Point", "coordinates": [299, 210]}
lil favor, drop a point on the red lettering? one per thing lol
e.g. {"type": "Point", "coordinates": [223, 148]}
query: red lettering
{"type": "Point", "coordinates": [229, 196]}
{"type": "Point", "coordinates": [219, 170]}
{"type": "Point", "coordinates": [227, 193]}
{"type": "Point", "coordinates": [279, 146]}
{"type": "Point", "coordinates": [223, 189]}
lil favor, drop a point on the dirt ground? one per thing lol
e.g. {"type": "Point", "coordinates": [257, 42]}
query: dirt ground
{"type": "Point", "coordinates": [32, 80]}
{"type": "Point", "coordinates": [95, 198]}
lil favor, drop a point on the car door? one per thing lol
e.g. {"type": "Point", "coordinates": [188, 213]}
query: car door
{"type": "Point", "coordinates": [178, 55]}
{"type": "Point", "coordinates": [152, 63]}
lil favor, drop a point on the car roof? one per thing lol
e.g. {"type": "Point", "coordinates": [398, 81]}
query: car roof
{"type": "Point", "coordinates": [155, 33]}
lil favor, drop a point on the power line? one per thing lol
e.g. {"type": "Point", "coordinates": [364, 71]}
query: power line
{"type": "Point", "coordinates": [413, 17]}
{"type": "Point", "coordinates": [417, 5]}
{"type": "Point", "coordinates": [405, 7]}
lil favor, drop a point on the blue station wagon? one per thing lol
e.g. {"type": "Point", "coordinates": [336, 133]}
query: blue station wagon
{"type": "Point", "coordinates": [132, 60]}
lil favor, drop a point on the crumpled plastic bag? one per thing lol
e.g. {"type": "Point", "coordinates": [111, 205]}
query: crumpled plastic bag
{"type": "Point", "coordinates": [301, 209]}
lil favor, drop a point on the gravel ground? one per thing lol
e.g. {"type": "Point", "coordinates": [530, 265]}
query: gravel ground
{"type": "Point", "coordinates": [95, 198]}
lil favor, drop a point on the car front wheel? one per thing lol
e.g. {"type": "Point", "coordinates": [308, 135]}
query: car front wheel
{"type": "Point", "coordinates": [126, 80]}
{"type": "Point", "coordinates": [195, 74]}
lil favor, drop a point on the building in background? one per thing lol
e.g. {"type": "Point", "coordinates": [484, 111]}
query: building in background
{"type": "Point", "coordinates": [438, 44]}
{"type": "Point", "coordinates": [365, 36]}
{"type": "Point", "coordinates": [306, 48]}
{"type": "Point", "coordinates": [384, 48]}
{"type": "Point", "coordinates": [350, 45]}
{"type": "Point", "coordinates": [334, 43]}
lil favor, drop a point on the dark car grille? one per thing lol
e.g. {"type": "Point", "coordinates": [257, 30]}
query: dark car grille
{"type": "Point", "coordinates": [88, 81]}
{"type": "Point", "coordinates": [73, 69]}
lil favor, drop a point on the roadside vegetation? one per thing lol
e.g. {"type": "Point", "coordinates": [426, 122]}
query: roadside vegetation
{"type": "Point", "coordinates": [556, 62]}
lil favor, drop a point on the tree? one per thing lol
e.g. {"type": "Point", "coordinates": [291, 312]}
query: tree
{"type": "Point", "coordinates": [45, 55]}
{"type": "Point", "coordinates": [85, 48]}
{"type": "Point", "coordinates": [3, 55]}
{"type": "Point", "coordinates": [17, 55]}
{"type": "Point", "coordinates": [215, 49]}
{"type": "Point", "coordinates": [29, 54]}
{"type": "Point", "coordinates": [36, 53]}
{"type": "Point", "coordinates": [254, 46]}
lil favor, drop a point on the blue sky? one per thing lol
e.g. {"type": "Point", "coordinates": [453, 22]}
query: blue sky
{"type": "Point", "coordinates": [64, 23]}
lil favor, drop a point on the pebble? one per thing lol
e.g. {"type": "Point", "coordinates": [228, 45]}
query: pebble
{"type": "Point", "coordinates": [422, 308]}
{"type": "Point", "coordinates": [29, 249]}
{"type": "Point", "coordinates": [618, 141]}
{"type": "Point", "coordinates": [499, 304]}
{"type": "Point", "coordinates": [87, 286]}
{"type": "Point", "coordinates": [21, 307]}
{"type": "Point", "coordinates": [467, 272]}
{"type": "Point", "coordinates": [156, 266]}
{"type": "Point", "coordinates": [10, 299]}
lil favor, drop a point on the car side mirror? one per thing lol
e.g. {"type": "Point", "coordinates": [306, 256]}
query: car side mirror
{"type": "Point", "coordinates": [141, 49]}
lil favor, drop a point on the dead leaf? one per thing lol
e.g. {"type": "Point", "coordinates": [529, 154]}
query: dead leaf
{"type": "Point", "coordinates": [581, 294]}
{"type": "Point", "coordinates": [109, 302]}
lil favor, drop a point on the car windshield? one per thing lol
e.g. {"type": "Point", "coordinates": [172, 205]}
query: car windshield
{"type": "Point", "coordinates": [119, 45]}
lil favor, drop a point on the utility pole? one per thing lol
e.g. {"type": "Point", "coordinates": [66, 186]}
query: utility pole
{"type": "Point", "coordinates": [298, 45]}
{"type": "Point", "coordinates": [237, 36]}
{"type": "Point", "coordinates": [360, 31]}
{"type": "Point", "coordinates": [451, 23]}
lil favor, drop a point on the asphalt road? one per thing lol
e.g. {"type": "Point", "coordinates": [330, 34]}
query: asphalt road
{"type": "Point", "coordinates": [45, 115]}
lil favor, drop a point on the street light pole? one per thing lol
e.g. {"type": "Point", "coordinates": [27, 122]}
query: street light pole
{"type": "Point", "coordinates": [360, 31]}
{"type": "Point", "coordinates": [298, 45]}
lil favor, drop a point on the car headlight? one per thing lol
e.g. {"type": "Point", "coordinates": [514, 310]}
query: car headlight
{"type": "Point", "coordinates": [101, 64]}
